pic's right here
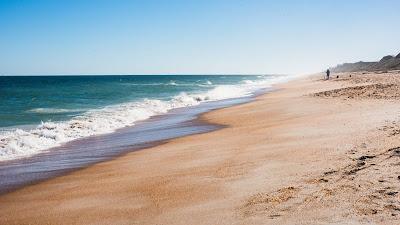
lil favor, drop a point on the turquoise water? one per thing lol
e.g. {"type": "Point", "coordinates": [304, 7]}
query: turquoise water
{"type": "Point", "coordinates": [31, 99]}
{"type": "Point", "coordinates": [40, 112]}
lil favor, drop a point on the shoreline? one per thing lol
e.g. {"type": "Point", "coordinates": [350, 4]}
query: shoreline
{"type": "Point", "coordinates": [96, 119]}
{"type": "Point", "coordinates": [303, 154]}
{"type": "Point", "coordinates": [199, 126]}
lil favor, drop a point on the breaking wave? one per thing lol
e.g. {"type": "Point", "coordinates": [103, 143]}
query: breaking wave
{"type": "Point", "coordinates": [52, 110]}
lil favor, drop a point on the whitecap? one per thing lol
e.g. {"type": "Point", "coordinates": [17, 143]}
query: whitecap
{"type": "Point", "coordinates": [52, 110]}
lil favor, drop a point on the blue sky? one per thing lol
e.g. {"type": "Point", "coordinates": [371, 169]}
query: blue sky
{"type": "Point", "coordinates": [193, 36]}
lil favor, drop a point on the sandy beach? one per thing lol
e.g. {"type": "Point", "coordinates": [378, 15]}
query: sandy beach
{"type": "Point", "coordinates": [310, 152]}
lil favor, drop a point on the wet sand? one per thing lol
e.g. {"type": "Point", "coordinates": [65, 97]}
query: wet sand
{"type": "Point", "coordinates": [312, 152]}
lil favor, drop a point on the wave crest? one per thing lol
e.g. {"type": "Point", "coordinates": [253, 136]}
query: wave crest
{"type": "Point", "coordinates": [52, 110]}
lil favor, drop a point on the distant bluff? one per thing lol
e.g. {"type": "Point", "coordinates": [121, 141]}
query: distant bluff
{"type": "Point", "coordinates": [388, 62]}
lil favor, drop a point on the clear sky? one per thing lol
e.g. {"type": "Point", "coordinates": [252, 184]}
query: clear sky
{"type": "Point", "coordinates": [193, 36]}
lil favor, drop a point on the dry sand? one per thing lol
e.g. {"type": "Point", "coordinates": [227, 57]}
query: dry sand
{"type": "Point", "coordinates": [312, 152]}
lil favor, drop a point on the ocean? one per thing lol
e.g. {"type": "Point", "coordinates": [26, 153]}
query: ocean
{"type": "Point", "coordinates": [41, 112]}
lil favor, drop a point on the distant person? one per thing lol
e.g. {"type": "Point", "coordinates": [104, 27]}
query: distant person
{"type": "Point", "coordinates": [328, 72]}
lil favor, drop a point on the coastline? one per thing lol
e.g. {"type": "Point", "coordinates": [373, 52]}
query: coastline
{"type": "Point", "coordinates": [292, 156]}
{"type": "Point", "coordinates": [84, 152]}
{"type": "Point", "coordinates": [136, 99]}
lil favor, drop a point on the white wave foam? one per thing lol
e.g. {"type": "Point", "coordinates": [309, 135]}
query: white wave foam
{"type": "Point", "coordinates": [205, 84]}
{"type": "Point", "coordinates": [52, 110]}
{"type": "Point", "coordinates": [172, 83]}
{"type": "Point", "coordinates": [21, 143]}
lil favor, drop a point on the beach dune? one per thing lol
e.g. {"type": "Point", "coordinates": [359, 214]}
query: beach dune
{"type": "Point", "coordinates": [310, 152]}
